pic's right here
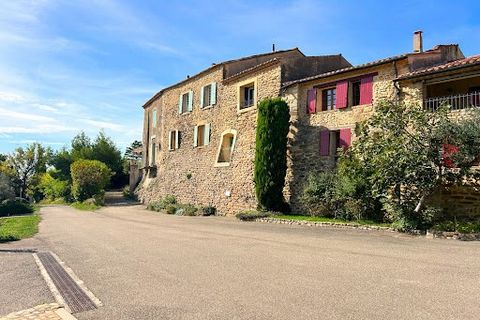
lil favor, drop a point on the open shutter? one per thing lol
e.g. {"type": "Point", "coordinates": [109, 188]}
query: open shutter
{"type": "Point", "coordinates": [190, 100]}
{"type": "Point", "coordinates": [202, 94]}
{"type": "Point", "coordinates": [206, 135]}
{"type": "Point", "coordinates": [366, 92]}
{"type": "Point", "coordinates": [195, 136]}
{"type": "Point", "coordinates": [311, 101]}
{"type": "Point", "coordinates": [213, 93]}
{"type": "Point", "coordinates": [345, 138]}
{"type": "Point", "coordinates": [177, 139]}
{"type": "Point", "coordinates": [180, 102]}
{"type": "Point", "coordinates": [342, 94]}
{"type": "Point", "coordinates": [325, 142]}
{"type": "Point", "coordinates": [170, 140]}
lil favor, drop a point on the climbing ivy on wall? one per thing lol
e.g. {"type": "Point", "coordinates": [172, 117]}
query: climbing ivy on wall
{"type": "Point", "coordinates": [271, 153]}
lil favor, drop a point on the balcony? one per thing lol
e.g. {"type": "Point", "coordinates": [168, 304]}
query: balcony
{"type": "Point", "coordinates": [455, 102]}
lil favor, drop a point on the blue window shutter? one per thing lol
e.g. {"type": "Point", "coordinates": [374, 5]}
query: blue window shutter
{"type": "Point", "coordinates": [213, 93]}
{"type": "Point", "coordinates": [180, 102]}
{"type": "Point", "coordinates": [177, 138]}
{"type": "Point", "coordinates": [190, 100]}
{"type": "Point", "coordinates": [202, 93]}
{"type": "Point", "coordinates": [195, 136]}
{"type": "Point", "coordinates": [206, 134]}
{"type": "Point", "coordinates": [154, 118]}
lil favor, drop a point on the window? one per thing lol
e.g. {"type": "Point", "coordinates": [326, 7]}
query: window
{"type": "Point", "coordinates": [355, 93]}
{"type": "Point", "coordinates": [329, 97]}
{"type": "Point", "coordinates": [173, 140]}
{"type": "Point", "coordinates": [154, 118]}
{"type": "Point", "coordinates": [153, 151]}
{"type": "Point", "coordinates": [332, 140]}
{"type": "Point", "coordinates": [207, 95]}
{"type": "Point", "coordinates": [225, 150]}
{"type": "Point", "coordinates": [247, 96]}
{"type": "Point", "coordinates": [201, 135]}
{"type": "Point", "coordinates": [185, 103]}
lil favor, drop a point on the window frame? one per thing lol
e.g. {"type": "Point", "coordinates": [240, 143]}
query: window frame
{"type": "Point", "coordinates": [325, 95]}
{"type": "Point", "coordinates": [176, 145]}
{"type": "Point", "coordinates": [196, 134]}
{"type": "Point", "coordinates": [240, 95]}
{"type": "Point", "coordinates": [352, 92]}
{"type": "Point", "coordinates": [153, 151]}
{"type": "Point", "coordinates": [234, 142]}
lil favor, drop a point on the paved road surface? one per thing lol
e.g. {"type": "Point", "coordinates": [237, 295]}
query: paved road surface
{"type": "Point", "coordinates": [145, 265]}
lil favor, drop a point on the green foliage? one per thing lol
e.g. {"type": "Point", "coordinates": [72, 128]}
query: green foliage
{"type": "Point", "coordinates": [127, 194]}
{"type": "Point", "coordinates": [105, 150]}
{"type": "Point", "coordinates": [6, 189]}
{"type": "Point", "coordinates": [17, 228]}
{"type": "Point", "coordinates": [208, 210]}
{"type": "Point", "coordinates": [61, 161]}
{"type": "Point", "coordinates": [163, 203]}
{"type": "Point", "coordinates": [461, 227]}
{"type": "Point", "coordinates": [12, 207]}
{"type": "Point", "coordinates": [187, 210]}
{"type": "Point", "coordinates": [318, 193]}
{"type": "Point", "coordinates": [271, 153]}
{"type": "Point", "coordinates": [171, 209]}
{"type": "Point", "coordinates": [87, 205]}
{"type": "Point", "coordinates": [251, 215]}
{"type": "Point", "coordinates": [89, 178]}
{"type": "Point", "coordinates": [53, 188]}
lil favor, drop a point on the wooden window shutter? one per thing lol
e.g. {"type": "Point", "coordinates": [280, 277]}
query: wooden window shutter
{"type": "Point", "coordinates": [177, 139]}
{"type": "Point", "coordinates": [342, 95]}
{"type": "Point", "coordinates": [170, 140]}
{"type": "Point", "coordinates": [345, 138]}
{"type": "Point", "coordinates": [213, 93]}
{"type": "Point", "coordinates": [311, 101]}
{"type": "Point", "coordinates": [206, 134]}
{"type": "Point", "coordinates": [325, 142]}
{"type": "Point", "coordinates": [366, 90]}
{"type": "Point", "coordinates": [202, 94]}
{"type": "Point", "coordinates": [195, 136]}
{"type": "Point", "coordinates": [180, 102]}
{"type": "Point", "coordinates": [190, 100]}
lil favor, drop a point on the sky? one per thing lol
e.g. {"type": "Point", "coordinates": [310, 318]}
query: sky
{"type": "Point", "coordinates": [70, 65]}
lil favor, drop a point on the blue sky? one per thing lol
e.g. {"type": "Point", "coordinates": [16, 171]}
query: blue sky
{"type": "Point", "coordinates": [67, 66]}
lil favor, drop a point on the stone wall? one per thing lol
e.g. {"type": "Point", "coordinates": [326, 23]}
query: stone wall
{"type": "Point", "coordinates": [190, 173]}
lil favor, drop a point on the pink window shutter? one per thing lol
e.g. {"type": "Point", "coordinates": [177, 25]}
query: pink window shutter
{"type": "Point", "coordinates": [311, 101]}
{"type": "Point", "coordinates": [366, 90]}
{"type": "Point", "coordinates": [342, 94]}
{"type": "Point", "coordinates": [325, 142]}
{"type": "Point", "coordinates": [345, 138]}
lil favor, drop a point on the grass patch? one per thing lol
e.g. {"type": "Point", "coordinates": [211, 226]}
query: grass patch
{"type": "Point", "coordinates": [332, 220]}
{"type": "Point", "coordinates": [16, 228]}
{"type": "Point", "coordinates": [84, 206]}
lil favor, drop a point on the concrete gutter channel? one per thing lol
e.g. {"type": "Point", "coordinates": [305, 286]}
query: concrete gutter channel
{"type": "Point", "coordinates": [70, 293]}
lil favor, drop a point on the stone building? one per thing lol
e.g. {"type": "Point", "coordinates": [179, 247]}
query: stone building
{"type": "Point", "coordinates": [199, 134]}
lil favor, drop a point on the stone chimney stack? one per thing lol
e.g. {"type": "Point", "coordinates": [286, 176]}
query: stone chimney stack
{"type": "Point", "coordinates": [417, 41]}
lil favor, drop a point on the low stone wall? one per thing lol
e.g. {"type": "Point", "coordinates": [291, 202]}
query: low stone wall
{"type": "Point", "coordinates": [462, 202]}
{"type": "Point", "coordinates": [453, 235]}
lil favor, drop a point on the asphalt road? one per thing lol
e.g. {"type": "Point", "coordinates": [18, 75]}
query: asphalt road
{"type": "Point", "coordinates": [145, 265]}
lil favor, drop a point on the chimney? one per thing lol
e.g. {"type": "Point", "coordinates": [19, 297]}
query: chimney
{"type": "Point", "coordinates": [417, 41]}
{"type": "Point", "coordinates": [273, 47]}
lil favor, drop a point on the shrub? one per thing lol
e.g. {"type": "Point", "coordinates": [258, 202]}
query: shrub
{"type": "Point", "coordinates": [273, 118]}
{"type": "Point", "coordinates": [318, 194]}
{"type": "Point", "coordinates": [127, 194]}
{"type": "Point", "coordinates": [53, 188]}
{"type": "Point", "coordinates": [171, 209]}
{"type": "Point", "coordinates": [208, 211]}
{"type": "Point", "coordinates": [15, 207]}
{"type": "Point", "coordinates": [189, 210]}
{"type": "Point", "coordinates": [89, 178]}
{"type": "Point", "coordinates": [6, 190]}
{"type": "Point", "coordinates": [252, 215]}
{"type": "Point", "coordinates": [163, 203]}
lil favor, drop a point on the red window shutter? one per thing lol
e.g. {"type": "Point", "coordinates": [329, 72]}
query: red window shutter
{"type": "Point", "coordinates": [311, 101]}
{"type": "Point", "coordinates": [366, 90]}
{"type": "Point", "coordinates": [342, 95]}
{"type": "Point", "coordinates": [345, 138]}
{"type": "Point", "coordinates": [325, 142]}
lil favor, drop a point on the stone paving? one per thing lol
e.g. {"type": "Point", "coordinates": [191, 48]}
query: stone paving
{"type": "Point", "coordinates": [51, 311]}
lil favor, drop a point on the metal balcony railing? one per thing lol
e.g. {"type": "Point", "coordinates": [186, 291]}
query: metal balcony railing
{"type": "Point", "coordinates": [455, 102]}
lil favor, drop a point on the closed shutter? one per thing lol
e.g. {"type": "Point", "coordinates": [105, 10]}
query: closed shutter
{"type": "Point", "coordinates": [213, 93]}
{"type": "Point", "coordinates": [177, 139]}
{"type": "Point", "coordinates": [325, 142]}
{"type": "Point", "coordinates": [311, 100]}
{"type": "Point", "coordinates": [190, 100]}
{"type": "Point", "coordinates": [342, 94]}
{"type": "Point", "coordinates": [345, 138]}
{"type": "Point", "coordinates": [206, 134]}
{"type": "Point", "coordinates": [170, 140]}
{"type": "Point", "coordinates": [195, 136]}
{"type": "Point", "coordinates": [366, 92]}
{"type": "Point", "coordinates": [202, 94]}
{"type": "Point", "coordinates": [180, 103]}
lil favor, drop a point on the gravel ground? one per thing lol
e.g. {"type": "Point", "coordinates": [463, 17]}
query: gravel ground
{"type": "Point", "coordinates": [146, 265]}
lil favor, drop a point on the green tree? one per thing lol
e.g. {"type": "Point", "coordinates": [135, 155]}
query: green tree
{"type": "Point", "coordinates": [81, 147]}
{"type": "Point", "coordinates": [61, 161]}
{"type": "Point", "coordinates": [130, 153]}
{"type": "Point", "coordinates": [89, 178]}
{"type": "Point", "coordinates": [271, 153]}
{"type": "Point", "coordinates": [105, 150]}
{"type": "Point", "coordinates": [27, 164]}
{"type": "Point", "coordinates": [6, 190]}
{"type": "Point", "coordinates": [53, 188]}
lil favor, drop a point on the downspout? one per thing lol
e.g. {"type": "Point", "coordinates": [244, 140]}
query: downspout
{"type": "Point", "coordinates": [395, 83]}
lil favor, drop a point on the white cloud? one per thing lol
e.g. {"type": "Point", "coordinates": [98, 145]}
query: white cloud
{"type": "Point", "coordinates": [11, 115]}
{"type": "Point", "coordinates": [104, 124]}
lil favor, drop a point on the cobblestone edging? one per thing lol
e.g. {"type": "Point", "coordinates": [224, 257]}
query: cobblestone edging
{"type": "Point", "coordinates": [51, 311]}
{"type": "Point", "coordinates": [429, 233]}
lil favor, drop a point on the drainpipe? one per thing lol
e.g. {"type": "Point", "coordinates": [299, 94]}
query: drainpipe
{"type": "Point", "coordinates": [395, 83]}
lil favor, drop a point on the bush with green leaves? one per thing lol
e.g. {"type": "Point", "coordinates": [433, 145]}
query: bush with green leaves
{"type": "Point", "coordinates": [273, 117]}
{"type": "Point", "coordinates": [163, 203]}
{"type": "Point", "coordinates": [6, 189]}
{"type": "Point", "coordinates": [251, 215]}
{"type": "Point", "coordinates": [89, 178]}
{"type": "Point", "coordinates": [53, 188]}
{"type": "Point", "coordinates": [11, 207]}
{"type": "Point", "coordinates": [208, 210]}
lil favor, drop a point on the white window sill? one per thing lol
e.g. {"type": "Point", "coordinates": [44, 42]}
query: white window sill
{"type": "Point", "coordinates": [208, 107]}
{"type": "Point", "coordinates": [185, 113]}
{"type": "Point", "coordinates": [246, 109]}
{"type": "Point", "coordinates": [222, 164]}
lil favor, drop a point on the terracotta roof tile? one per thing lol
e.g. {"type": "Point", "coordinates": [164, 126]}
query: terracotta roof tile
{"type": "Point", "coordinates": [461, 63]}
